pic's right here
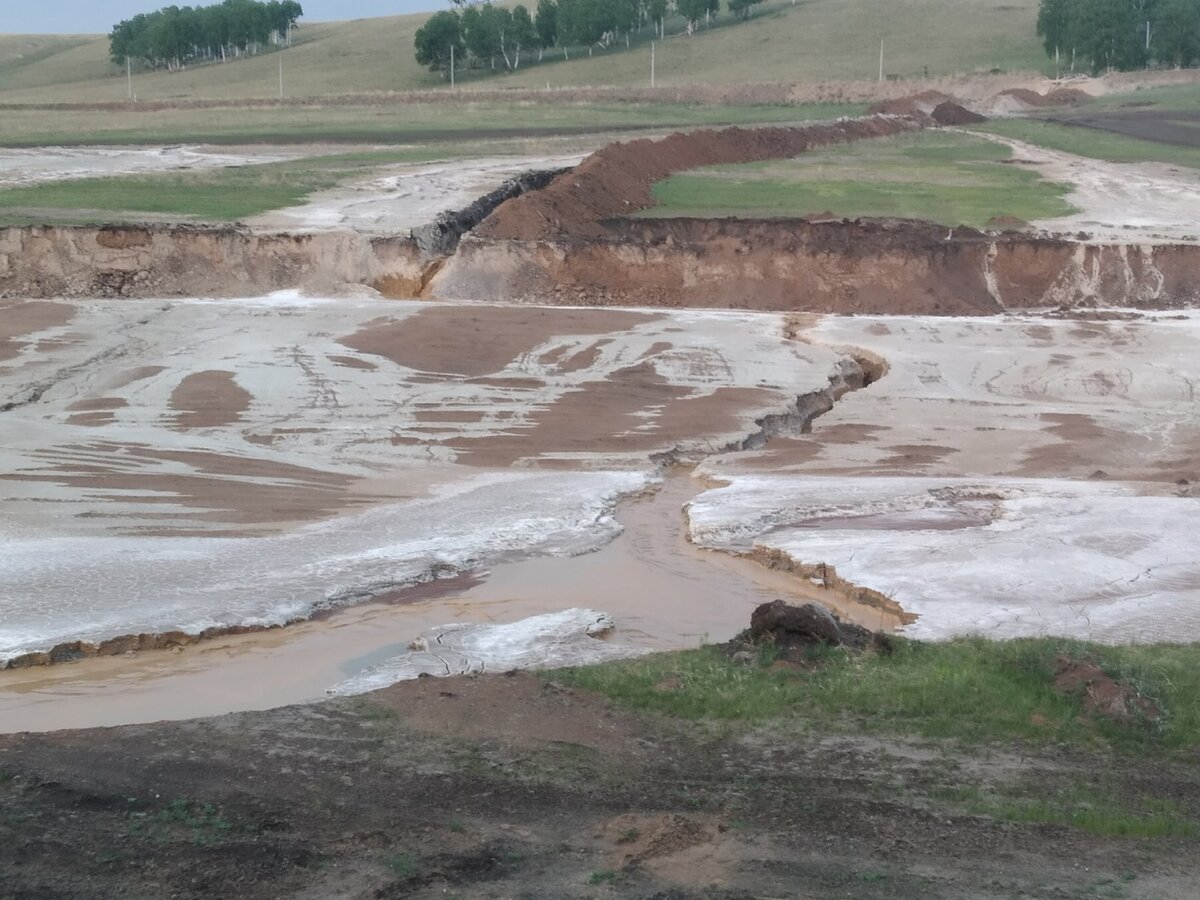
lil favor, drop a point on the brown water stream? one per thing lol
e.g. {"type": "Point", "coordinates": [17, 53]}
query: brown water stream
{"type": "Point", "coordinates": [662, 591]}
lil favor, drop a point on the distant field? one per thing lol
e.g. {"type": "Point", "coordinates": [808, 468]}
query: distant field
{"type": "Point", "coordinates": [954, 179]}
{"type": "Point", "coordinates": [394, 123]}
{"type": "Point", "coordinates": [1092, 143]}
{"type": "Point", "coordinates": [212, 195]}
{"type": "Point", "coordinates": [234, 193]}
{"type": "Point", "coordinates": [813, 40]}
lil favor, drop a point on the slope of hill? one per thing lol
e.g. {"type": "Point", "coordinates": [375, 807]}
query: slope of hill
{"type": "Point", "coordinates": [811, 40]}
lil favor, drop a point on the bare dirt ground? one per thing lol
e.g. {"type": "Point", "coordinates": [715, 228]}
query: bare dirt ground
{"type": "Point", "coordinates": [25, 167]}
{"type": "Point", "coordinates": [513, 786]}
{"type": "Point", "coordinates": [399, 198]}
{"type": "Point", "coordinates": [1118, 201]}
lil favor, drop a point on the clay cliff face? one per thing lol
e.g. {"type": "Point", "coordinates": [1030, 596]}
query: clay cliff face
{"type": "Point", "coordinates": [168, 261]}
{"type": "Point", "coordinates": [832, 267]}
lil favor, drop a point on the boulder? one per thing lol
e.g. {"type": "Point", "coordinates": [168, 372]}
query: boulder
{"type": "Point", "coordinates": [789, 625]}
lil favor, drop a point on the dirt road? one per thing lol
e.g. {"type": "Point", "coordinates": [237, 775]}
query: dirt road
{"type": "Point", "coordinates": [1118, 201]}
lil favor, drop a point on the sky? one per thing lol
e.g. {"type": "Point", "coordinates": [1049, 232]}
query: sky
{"type": "Point", "coordinates": [99, 16]}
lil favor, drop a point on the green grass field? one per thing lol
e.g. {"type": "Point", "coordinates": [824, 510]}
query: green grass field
{"type": "Point", "coordinates": [230, 194]}
{"type": "Point", "coordinates": [953, 179]}
{"type": "Point", "coordinates": [952, 697]}
{"type": "Point", "coordinates": [215, 195]}
{"type": "Point", "coordinates": [969, 690]}
{"type": "Point", "coordinates": [383, 124]}
{"type": "Point", "coordinates": [809, 41]}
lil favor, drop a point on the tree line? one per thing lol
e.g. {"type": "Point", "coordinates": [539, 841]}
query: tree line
{"type": "Point", "coordinates": [487, 36]}
{"type": "Point", "coordinates": [1120, 34]}
{"type": "Point", "coordinates": [175, 36]}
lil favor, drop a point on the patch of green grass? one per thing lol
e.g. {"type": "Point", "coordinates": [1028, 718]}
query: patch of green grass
{"type": "Point", "coordinates": [1091, 142]}
{"type": "Point", "coordinates": [386, 122]}
{"type": "Point", "coordinates": [945, 177]}
{"type": "Point", "coordinates": [602, 876]}
{"type": "Point", "coordinates": [968, 689]}
{"type": "Point", "coordinates": [1084, 807]}
{"type": "Point", "coordinates": [402, 865]}
{"type": "Point", "coordinates": [628, 836]}
{"type": "Point", "coordinates": [5, 776]}
{"type": "Point", "coordinates": [217, 195]}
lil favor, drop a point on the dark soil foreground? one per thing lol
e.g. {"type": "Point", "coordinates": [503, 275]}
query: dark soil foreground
{"type": "Point", "coordinates": [515, 786]}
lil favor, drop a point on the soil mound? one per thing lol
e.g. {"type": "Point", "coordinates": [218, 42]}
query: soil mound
{"type": "Point", "coordinates": [1067, 97]}
{"type": "Point", "coordinates": [793, 629]}
{"type": "Point", "coordinates": [1019, 100]}
{"type": "Point", "coordinates": [951, 113]}
{"type": "Point", "coordinates": [617, 179]}
{"type": "Point", "coordinates": [913, 105]}
{"type": "Point", "coordinates": [1101, 694]}
{"type": "Point", "coordinates": [1025, 96]}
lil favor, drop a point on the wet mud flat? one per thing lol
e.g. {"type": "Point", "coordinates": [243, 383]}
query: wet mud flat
{"type": "Point", "coordinates": [344, 451]}
{"type": "Point", "coordinates": [256, 462]}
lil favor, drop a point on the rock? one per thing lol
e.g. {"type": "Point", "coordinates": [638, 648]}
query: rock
{"type": "Point", "coordinates": [745, 657]}
{"type": "Point", "coordinates": [71, 651]}
{"type": "Point", "coordinates": [789, 625]}
{"type": "Point", "coordinates": [28, 660]}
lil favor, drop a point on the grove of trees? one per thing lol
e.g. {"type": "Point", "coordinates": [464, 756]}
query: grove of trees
{"type": "Point", "coordinates": [175, 36]}
{"type": "Point", "coordinates": [1120, 34]}
{"type": "Point", "coordinates": [487, 36]}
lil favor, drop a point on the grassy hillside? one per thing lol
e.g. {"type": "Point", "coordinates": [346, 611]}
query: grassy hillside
{"type": "Point", "coordinates": [812, 40]}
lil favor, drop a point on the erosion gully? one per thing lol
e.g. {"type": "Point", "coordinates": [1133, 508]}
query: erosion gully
{"type": "Point", "coordinates": [663, 592]}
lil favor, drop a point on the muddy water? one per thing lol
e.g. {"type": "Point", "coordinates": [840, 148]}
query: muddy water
{"type": "Point", "coordinates": [662, 591]}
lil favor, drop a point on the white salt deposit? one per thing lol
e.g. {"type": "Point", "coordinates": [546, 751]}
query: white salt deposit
{"type": "Point", "coordinates": [62, 588]}
{"type": "Point", "coordinates": [569, 637]}
{"type": "Point", "coordinates": [1001, 557]}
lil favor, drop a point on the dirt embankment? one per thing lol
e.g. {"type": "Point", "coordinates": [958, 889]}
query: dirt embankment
{"type": "Point", "coordinates": [879, 267]}
{"type": "Point", "coordinates": [574, 243]}
{"type": "Point", "coordinates": [185, 260]}
{"type": "Point", "coordinates": [617, 180]}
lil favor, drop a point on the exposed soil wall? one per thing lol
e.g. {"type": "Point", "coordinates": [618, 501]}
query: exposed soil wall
{"type": "Point", "coordinates": [163, 261]}
{"type": "Point", "coordinates": [832, 267]}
